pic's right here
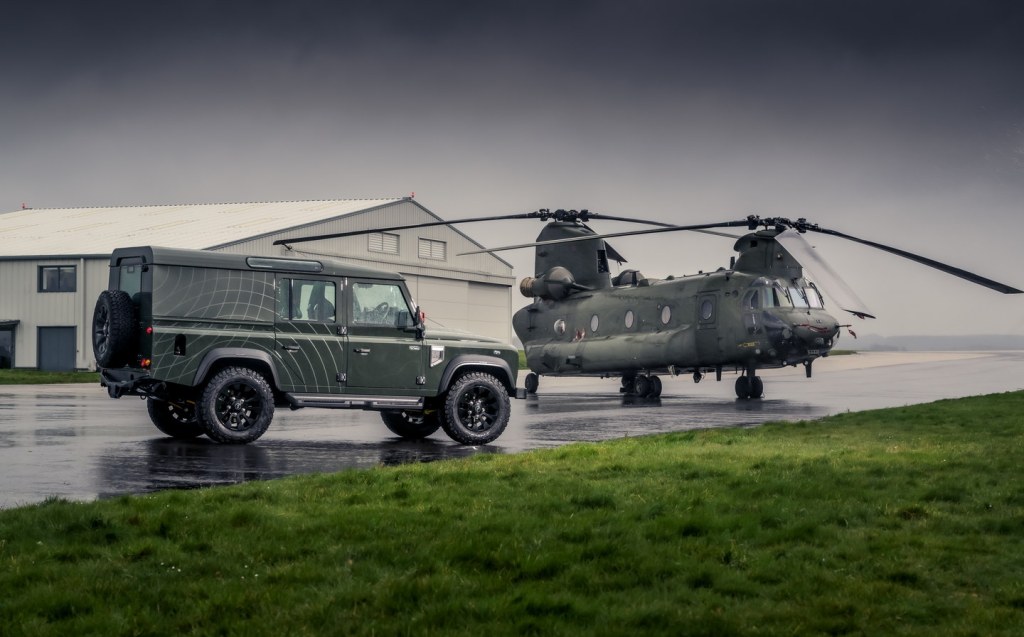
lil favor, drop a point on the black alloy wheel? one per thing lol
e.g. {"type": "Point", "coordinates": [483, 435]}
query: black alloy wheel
{"type": "Point", "coordinates": [413, 425]}
{"type": "Point", "coordinates": [177, 420]}
{"type": "Point", "coordinates": [236, 406]}
{"type": "Point", "coordinates": [476, 409]}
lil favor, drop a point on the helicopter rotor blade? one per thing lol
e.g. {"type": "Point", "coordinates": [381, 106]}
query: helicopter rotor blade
{"type": "Point", "coordinates": [609, 235]}
{"type": "Point", "coordinates": [661, 224]}
{"type": "Point", "coordinates": [543, 215]}
{"type": "Point", "coordinates": [832, 284]}
{"type": "Point", "coordinates": [938, 265]}
{"type": "Point", "coordinates": [428, 224]}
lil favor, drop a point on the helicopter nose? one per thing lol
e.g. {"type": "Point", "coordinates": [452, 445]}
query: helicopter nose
{"type": "Point", "coordinates": [816, 333]}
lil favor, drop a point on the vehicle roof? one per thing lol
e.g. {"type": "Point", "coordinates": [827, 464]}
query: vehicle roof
{"type": "Point", "coordinates": [227, 261]}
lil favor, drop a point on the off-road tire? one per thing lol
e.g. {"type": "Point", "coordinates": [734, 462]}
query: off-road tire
{"type": "Point", "coordinates": [476, 409]}
{"type": "Point", "coordinates": [236, 406]}
{"type": "Point", "coordinates": [413, 425]}
{"type": "Point", "coordinates": [113, 328]}
{"type": "Point", "coordinates": [177, 420]}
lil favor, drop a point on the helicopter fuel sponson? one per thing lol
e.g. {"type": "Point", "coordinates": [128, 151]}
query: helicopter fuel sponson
{"type": "Point", "coordinates": [761, 313]}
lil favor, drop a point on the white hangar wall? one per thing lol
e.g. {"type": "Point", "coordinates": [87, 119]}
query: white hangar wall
{"type": "Point", "coordinates": [42, 317]}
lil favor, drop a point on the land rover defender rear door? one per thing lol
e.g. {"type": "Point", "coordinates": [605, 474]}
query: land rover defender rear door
{"type": "Point", "coordinates": [384, 353]}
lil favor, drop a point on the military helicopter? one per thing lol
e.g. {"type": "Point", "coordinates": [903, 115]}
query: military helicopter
{"type": "Point", "coordinates": [761, 312]}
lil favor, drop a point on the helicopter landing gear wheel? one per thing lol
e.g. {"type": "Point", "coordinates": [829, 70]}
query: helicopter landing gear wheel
{"type": "Point", "coordinates": [655, 391]}
{"type": "Point", "coordinates": [641, 386]}
{"type": "Point", "coordinates": [749, 387]}
{"type": "Point", "coordinates": [531, 382]}
{"type": "Point", "coordinates": [627, 384]}
{"type": "Point", "coordinates": [756, 387]}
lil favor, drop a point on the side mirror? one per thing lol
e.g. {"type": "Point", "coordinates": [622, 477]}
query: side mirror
{"type": "Point", "coordinates": [418, 323]}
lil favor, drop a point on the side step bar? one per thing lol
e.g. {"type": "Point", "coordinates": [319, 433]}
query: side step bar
{"type": "Point", "coordinates": [331, 401]}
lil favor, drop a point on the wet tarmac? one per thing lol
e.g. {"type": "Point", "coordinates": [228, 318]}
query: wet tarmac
{"type": "Point", "coordinates": [74, 442]}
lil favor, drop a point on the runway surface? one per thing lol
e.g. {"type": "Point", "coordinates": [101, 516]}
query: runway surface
{"type": "Point", "coordinates": [72, 441]}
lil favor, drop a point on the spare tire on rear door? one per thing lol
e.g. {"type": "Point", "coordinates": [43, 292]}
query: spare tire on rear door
{"type": "Point", "coordinates": [113, 328]}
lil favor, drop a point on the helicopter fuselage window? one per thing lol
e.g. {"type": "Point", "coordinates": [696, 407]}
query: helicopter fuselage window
{"type": "Point", "coordinates": [629, 319]}
{"type": "Point", "coordinates": [559, 327]}
{"type": "Point", "coordinates": [594, 322]}
{"type": "Point", "coordinates": [707, 310]}
{"type": "Point", "coordinates": [666, 315]}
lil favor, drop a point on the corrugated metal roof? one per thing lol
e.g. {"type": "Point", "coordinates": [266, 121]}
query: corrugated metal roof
{"type": "Point", "coordinates": [82, 231]}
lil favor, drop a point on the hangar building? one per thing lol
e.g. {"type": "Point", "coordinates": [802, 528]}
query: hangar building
{"type": "Point", "coordinates": [54, 262]}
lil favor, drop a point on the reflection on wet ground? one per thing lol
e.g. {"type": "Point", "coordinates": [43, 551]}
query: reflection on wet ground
{"type": "Point", "coordinates": [74, 442]}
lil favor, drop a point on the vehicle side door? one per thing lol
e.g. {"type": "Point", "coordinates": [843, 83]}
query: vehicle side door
{"type": "Point", "coordinates": [708, 342]}
{"type": "Point", "coordinates": [309, 336]}
{"type": "Point", "coordinates": [385, 356]}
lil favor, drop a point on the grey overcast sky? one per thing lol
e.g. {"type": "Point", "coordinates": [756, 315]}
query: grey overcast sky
{"type": "Point", "coordinates": [900, 121]}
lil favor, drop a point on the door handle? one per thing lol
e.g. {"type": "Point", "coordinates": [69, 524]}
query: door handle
{"type": "Point", "coordinates": [290, 348]}
{"type": "Point", "coordinates": [362, 350]}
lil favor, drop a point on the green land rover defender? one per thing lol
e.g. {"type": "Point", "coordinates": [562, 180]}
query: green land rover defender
{"type": "Point", "coordinates": [215, 341]}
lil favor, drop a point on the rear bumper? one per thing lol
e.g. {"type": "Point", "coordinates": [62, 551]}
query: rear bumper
{"type": "Point", "coordinates": [128, 381]}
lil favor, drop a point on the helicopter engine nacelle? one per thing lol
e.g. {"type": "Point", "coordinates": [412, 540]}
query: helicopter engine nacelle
{"type": "Point", "coordinates": [554, 285]}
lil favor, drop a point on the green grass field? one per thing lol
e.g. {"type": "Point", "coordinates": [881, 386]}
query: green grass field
{"type": "Point", "coordinates": [898, 522]}
{"type": "Point", "coordinates": [35, 377]}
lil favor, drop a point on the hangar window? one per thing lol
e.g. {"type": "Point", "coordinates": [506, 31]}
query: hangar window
{"type": "Point", "coordinates": [57, 278]}
{"type": "Point", "coordinates": [431, 249]}
{"type": "Point", "coordinates": [382, 242]}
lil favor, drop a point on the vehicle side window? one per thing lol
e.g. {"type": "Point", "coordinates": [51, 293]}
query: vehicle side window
{"type": "Point", "coordinates": [380, 304]}
{"type": "Point", "coordinates": [306, 300]}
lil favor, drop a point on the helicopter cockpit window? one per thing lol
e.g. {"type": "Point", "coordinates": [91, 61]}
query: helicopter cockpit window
{"type": "Point", "coordinates": [799, 300]}
{"type": "Point", "coordinates": [381, 304]}
{"type": "Point", "coordinates": [776, 297]}
{"type": "Point", "coordinates": [814, 298]}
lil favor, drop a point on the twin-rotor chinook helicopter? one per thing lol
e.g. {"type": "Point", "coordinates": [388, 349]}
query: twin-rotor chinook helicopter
{"type": "Point", "coordinates": [761, 312]}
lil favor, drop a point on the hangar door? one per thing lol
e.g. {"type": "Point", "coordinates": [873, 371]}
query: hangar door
{"type": "Point", "coordinates": [464, 305]}
{"type": "Point", "coordinates": [57, 349]}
